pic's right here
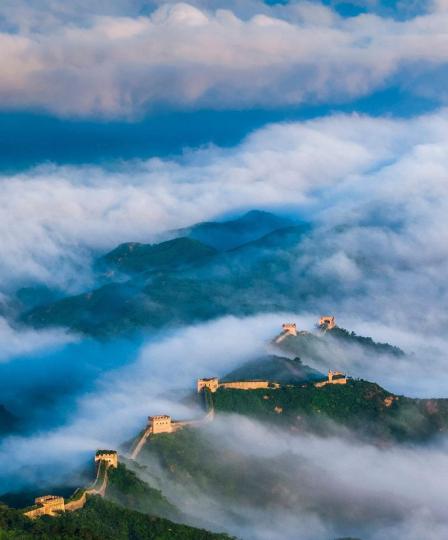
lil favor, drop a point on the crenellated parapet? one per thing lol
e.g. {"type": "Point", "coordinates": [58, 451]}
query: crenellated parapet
{"type": "Point", "coordinates": [327, 322]}
{"type": "Point", "coordinates": [334, 377]}
{"type": "Point", "coordinates": [290, 328]}
{"type": "Point", "coordinates": [109, 456]}
{"type": "Point", "coordinates": [161, 423]}
{"type": "Point", "coordinates": [46, 505]}
{"type": "Point", "coordinates": [213, 384]}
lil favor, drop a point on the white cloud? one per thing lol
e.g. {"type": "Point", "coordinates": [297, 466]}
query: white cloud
{"type": "Point", "coordinates": [16, 342]}
{"type": "Point", "coordinates": [123, 59]}
{"type": "Point", "coordinates": [122, 399]}
{"type": "Point", "coordinates": [357, 483]}
{"type": "Point", "coordinates": [383, 180]}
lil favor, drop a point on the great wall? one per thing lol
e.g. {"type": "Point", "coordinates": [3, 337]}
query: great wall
{"type": "Point", "coordinates": [53, 505]}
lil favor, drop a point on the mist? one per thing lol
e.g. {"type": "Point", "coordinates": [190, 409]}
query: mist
{"type": "Point", "coordinates": [311, 487]}
{"type": "Point", "coordinates": [101, 394]}
{"type": "Point", "coordinates": [95, 395]}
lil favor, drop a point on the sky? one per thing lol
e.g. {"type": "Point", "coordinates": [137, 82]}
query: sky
{"type": "Point", "coordinates": [123, 119]}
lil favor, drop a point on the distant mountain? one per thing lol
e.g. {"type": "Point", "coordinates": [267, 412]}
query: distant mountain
{"type": "Point", "coordinates": [181, 281]}
{"type": "Point", "coordinates": [133, 257]}
{"type": "Point", "coordinates": [31, 297]}
{"type": "Point", "coordinates": [225, 235]}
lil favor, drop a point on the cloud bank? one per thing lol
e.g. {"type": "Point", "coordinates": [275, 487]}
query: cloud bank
{"type": "Point", "coordinates": [363, 484]}
{"type": "Point", "coordinates": [123, 59]}
{"type": "Point", "coordinates": [314, 488]}
{"type": "Point", "coordinates": [117, 405]}
{"type": "Point", "coordinates": [375, 190]}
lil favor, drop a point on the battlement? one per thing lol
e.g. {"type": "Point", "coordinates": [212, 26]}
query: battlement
{"type": "Point", "coordinates": [245, 385]}
{"type": "Point", "coordinates": [334, 377]}
{"type": "Point", "coordinates": [49, 500]}
{"type": "Point", "coordinates": [290, 328]}
{"type": "Point", "coordinates": [211, 384]}
{"type": "Point", "coordinates": [46, 505]}
{"type": "Point", "coordinates": [160, 423]}
{"type": "Point", "coordinates": [327, 322]}
{"type": "Point", "coordinates": [109, 456]}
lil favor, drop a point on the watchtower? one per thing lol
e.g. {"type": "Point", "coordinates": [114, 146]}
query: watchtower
{"type": "Point", "coordinates": [328, 322]}
{"type": "Point", "coordinates": [160, 424]}
{"type": "Point", "coordinates": [109, 456]}
{"type": "Point", "coordinates": [290, 328]}
{"type": "Point", "coordinates": [336, 377]}
{"type": "Point", "coordinates": [51, 504]}
{"type": "Point", "coordinates": [211, 384]}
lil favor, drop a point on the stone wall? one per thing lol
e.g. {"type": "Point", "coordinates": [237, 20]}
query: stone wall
{"type": "Point", "coordinates": [50, 505]}
{"type": "Point", "coordinates": [76, 504]}
{"type": "Point", "coordinates": [245, 385]}
{"type": "Point", "coordinates": [47, 505]}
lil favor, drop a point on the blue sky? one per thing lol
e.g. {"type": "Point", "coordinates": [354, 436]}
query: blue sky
{"type": "Point", "coordinates": [121, 119]}
{"type": "Point", "coordinates": [135, 79]}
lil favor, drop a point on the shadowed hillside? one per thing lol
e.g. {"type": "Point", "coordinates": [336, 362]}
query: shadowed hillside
{"type": "Point", "coordinates": [233, 233]}
{"type": "Point", "coordinates": [183, 281]}
{"type": "Point", "coordinates": [166, 256]}
{"type": "Point", "coordinates": [275, 369]}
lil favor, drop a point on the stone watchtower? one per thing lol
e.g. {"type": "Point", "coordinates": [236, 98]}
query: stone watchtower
{"type": "Point", "coordinates": [328, 322]}
{"type": "Point", "coordinates": [336, 377]}
{"type": "Point", "coordinates": [51, 504]}
{"type": "Point", "coordinates": [160, 424]}
{"type": "Point", "coordinates": [290, 328]}
{"type": "Point", "coordinates": [211, 384]}
{"type": "Point", "coordinates": [47, 505]}
{"type": "Point", "coordinates": [109, 456]}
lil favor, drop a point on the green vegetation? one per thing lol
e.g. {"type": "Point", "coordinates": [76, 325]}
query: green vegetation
{"type": "Point", "coordinates": [135, 257]}
{"type": "Point", "coordinates": [126, 489]}
{"type": "Point", "coordinates": [276, 369]}
{"type": "Point", "coordinates": [231, 234]}
{"type": "Point", "coordinates": [320, 348]}
{"type": "Point", "coordinates": [359, 405]}
{"type": "Point", "coordinates": [98, 520]}
{"type": "Point", "coordinates": [342, 334]}
{"type": "Point", "coordinates": [177, 282]}
{"type": "Point", "coordinates": [191, 458]}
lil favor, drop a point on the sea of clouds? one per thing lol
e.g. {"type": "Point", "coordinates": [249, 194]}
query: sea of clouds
{"type": "Point", "coordinates": [119, 59]}
{"type": "Point", "coordinates": [374, 189]}
{"type": "Point", "coordinates": [332, 486]}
